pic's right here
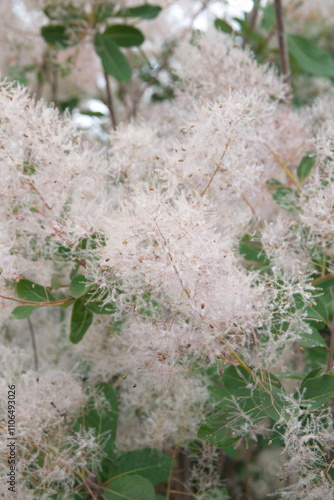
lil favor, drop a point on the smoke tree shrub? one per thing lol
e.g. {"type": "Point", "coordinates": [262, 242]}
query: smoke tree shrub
{"type": "Point", "coordinates": [167, 295]}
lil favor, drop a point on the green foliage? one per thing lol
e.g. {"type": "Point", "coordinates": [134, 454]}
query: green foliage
{"type": "Point", "coordinates": [130, 488]}
{"type": "Point", "coordinates": [252, 251]}
{"type": "Point", "coordinates": [144, 11]}
{"type": "Point", "coordinates": [309, 57]}
{"type": "Point", "coordinates": [28, 290]}
{"type": "Point", "coordinates": [81, 320]}
{"type": "Point", "coordinates": [151, 464]}
{"type": "Point", "coordinates": [103, 11]}
{"type": "Point", "coordinates": [152, 308]}
{"type": "Point", "coordinates": [19, 73]}
{"type": "Point", "coordinates": [28, 168]}
{"type": "Point", "coordinates": [268, 17]}
{"type": "Point", "coordinates": [63, 13]}
{"type": "Point", "coordinates": [132, 474]}
{"type": "Point", "coordinates": [305, 166]}
{"type": "Point", "coordinates": [32, 292]}
{"type": "Point", "coordinates": [319, 312]}
{"type": "Point", "coordinates": [98, 306]}
{"type": "Point", "coordinates": [22, 312]}
{"type": "Point", "coordinates": [113, 61]}
{"type": "Point", "coordinates": [224, 26]}
{"type": "Point", "coordinates": [124, 36]}
{"type": "Point", "coordinates": [313, 339]}
{"type": "Point", "coordinates": [249, 400]}
{"type": "Point", "coordinates": [79, 286]}
{"type": "Point", "coordinates": [316, 391]}
{"type": "Point", "coordinates": [67, 24]}
{"type": "Point", "coordinates": [305, 55]}
{"type": "Point", "coordinates": [101, 416]}
{"type": "Point", "coordinates": [57, 35]}
{"type": "Point", "coordinates": [285, 197]}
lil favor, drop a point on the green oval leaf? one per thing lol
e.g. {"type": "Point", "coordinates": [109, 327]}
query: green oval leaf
{"type": "Point", "coordinates": [28, 290]}
{"type": "Point", "coordinates": [80, 321]}
{"type": "Point", "coordinates": [318, 313]}
{"type": "Point", "coordinates": [253, 251]}
{"type": "Point", "coordinates": [285, 197]}
{"type": "Point", "coordinates": [145, 11]}
{"type": "Point", "coordinates": [312, 339]}
{"type": "Point", "coordinates": [305, 166]}
{"type": "Point", "coordinates": [222, 25]}
{"type": "Point", "coordinates": [217, 429]}
{"type": "Point", "coordinates": [113, 61]}
{"type": "Point", "coordinates": [22, 312]}
{"type": "Point", "coordinates": [56, 34]}
{"type": "Point", "coordinates": [151, 464]}
{"type": "Point", "coordinates": [318, 390]}
{"type": "Point", "coordinates": [129, 488]}
{"type": "Point", "coordinates": [79, 286]}
{"type": "Point", "coordinates": [104, 419]}
{"type": "Point", "coordinates": [309, 57]}
{"type": "Point", "coordinates": [98, 306]}
{"type": "Point", "coordinates": [124, 36]}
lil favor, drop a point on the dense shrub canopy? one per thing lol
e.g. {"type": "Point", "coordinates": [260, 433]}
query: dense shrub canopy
{"type": "Point", "coordinates": [167, 249]}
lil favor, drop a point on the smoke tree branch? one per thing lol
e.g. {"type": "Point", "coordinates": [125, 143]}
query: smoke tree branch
{"type": "Point", "coordinates": [283, 50]}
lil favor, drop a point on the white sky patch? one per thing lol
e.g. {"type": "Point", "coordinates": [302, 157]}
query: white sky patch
{"type": "Point", "coordinates": [234, 8]}
{"type": "Point", "coordinates": [96, 106]}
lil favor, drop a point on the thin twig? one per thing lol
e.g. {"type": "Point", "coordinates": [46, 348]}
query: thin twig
{"type": "Point", "coordinates": [283, 50]}
{"type": "Point", "coordinates": [221, 463]}
{"type": "Point", "coordinates": [110, 103]}
{"type": "Point", "coordinates": [170, 475]}
{"type": "Point", "coordinates": [33, 340]}
{"type": "Point", "coordinates": [41, 77]}
{"type": "Point", "coordinates": [322, 278]}
{"type": "Point", "coordinates": [54, 85]}
{"type": "Point", "coordinates": [248, 204]}
{"type": "Point", "coordinates": [186, 291]}
{"type": "Point", "coordinates": [217, 168]}
{"type": "Point", "coordinates": [285, 167]}
{"type": "Point", "coordinates": [253, 15]}
{"type": "Point", "coordinates": [186, 472]}
{"type": "Point", "coordinates": [323, 265]}
{"type": "Point", "coordinates": [247, 484]}
{"type": "Point", "coordinates": [32, 303]}
{"type": "Point", "coordinates": [252, 21]}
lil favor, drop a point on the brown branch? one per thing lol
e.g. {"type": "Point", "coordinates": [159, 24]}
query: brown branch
{"type": "Point", "coordinates": [54, 85]}
{"type": "Point", "coordinates": [170, 475]}
{"type": "Point", "coordinates": [32, 303]}
{"type": "Point", "coordinates": [322, 278]}
{"type": "Point", "coordinates": [186, 472]}
{"type": "Point", "coordinates": [33, 340]}
{"type": "Point", "coordinates": [283, 50]}
{"type": "Point", "coordinates": [253, 16]}
{"type": "Point", "coordinates": [110, 103]}
{"type": "Point", "coordinates": [251, 23]}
